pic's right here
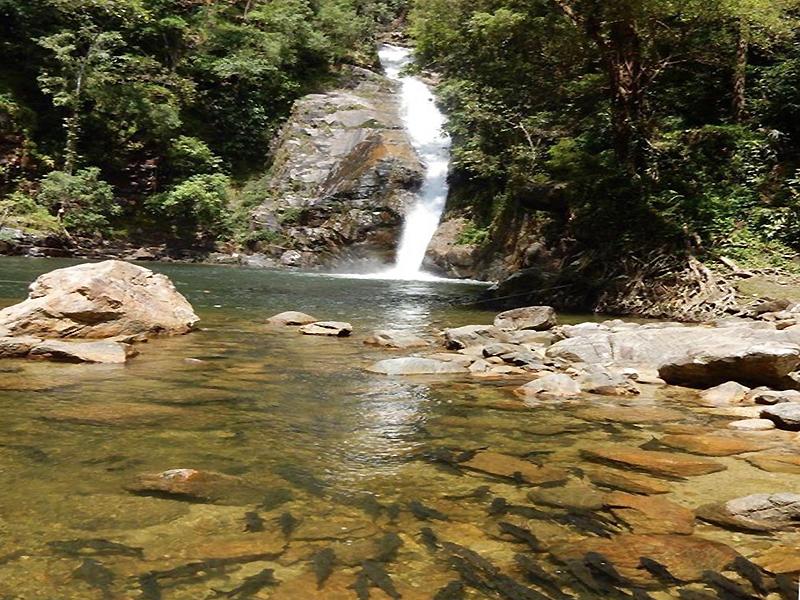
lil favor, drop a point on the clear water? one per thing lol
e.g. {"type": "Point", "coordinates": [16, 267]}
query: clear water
{"type": "Point", "coordinates": [309, 433]}
{"type": "Point", "coordinates": [424, 123]}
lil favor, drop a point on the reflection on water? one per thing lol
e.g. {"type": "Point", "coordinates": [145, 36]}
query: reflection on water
{"type": "Point", "coordinates": [331, 474]}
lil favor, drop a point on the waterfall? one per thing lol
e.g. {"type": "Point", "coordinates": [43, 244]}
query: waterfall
{"type": "Point", "coordinates": [425, 126]}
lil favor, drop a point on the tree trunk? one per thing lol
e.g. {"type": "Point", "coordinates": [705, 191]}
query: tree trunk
{"type": "Point", "coordinates": [739, 101]}
{"type": "Point", "coordinates": [624, 65]}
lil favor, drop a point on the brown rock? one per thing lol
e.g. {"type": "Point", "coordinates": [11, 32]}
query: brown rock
{"type": "Point", "coordinates": [100, 300]}
{"type": "Point", "coordinates": [195, 486]}
{"type": "Point", "coordinates": [629, 414]}
{"type": "Point", "coordinates": [17, 347]}
{"type": "Point", "coordinates": [667, 464]}
{"type": "Point", "coordinates": [712, 445]}
{"type": "Point", "coordinates": [328, 328]}
{"type": "Point", "coordinates": [776, 463]}
{"type": "Point", "coordinates": [571, 496]}
{"type": "Point", "coordinates": [757, 512]}
{"type": "Point", "coordinates": [650, 514]}
{"type": "Point", "coordinates": [511, 467]}
{"type": "Point", "coordinates": [779, 559]}
{"type": "Point", "coordinates": [291, 318]}
{"type": "Point", "coordinates": [686, 557]}
{"type": "Point", "coordinates": [633, 483]}
{"type": "Point", "coordinates": [729, 393]}
{"type": "Point", "coordinates": [550, 386]}
{"type": "Point", "coordinates": [82, 352]}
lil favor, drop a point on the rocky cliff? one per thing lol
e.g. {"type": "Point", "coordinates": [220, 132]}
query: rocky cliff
{"type": "Point", "coordinates": [342, 177]}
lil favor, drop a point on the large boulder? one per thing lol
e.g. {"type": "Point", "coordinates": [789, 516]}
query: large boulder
{"type": "Point", "coordinates": [785, 415]}
{"type": "Point", "coordinates": [343, 175]}
{"type": "Point", "coordinates": [766, 363]}
{"type": "Point", "coordinates": [100, 300]}
{"type": "Point", "coordinates": [697, 355]}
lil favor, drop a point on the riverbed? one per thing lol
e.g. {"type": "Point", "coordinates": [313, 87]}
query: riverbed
{"type": "Point", "coordinates": [319, 455]}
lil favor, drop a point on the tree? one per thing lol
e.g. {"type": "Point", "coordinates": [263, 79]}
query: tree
{"type": "Point", "coordinates": [83, 60]}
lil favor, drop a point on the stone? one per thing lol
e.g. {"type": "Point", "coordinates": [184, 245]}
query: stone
{"type": "Point", "coordinates": [785, 415]}
{"type": "Point", "coordinates": [757, 512]}
{"type": "Point", "coordinates": [82, 352]}
{"type": "Point", "coordinates": [686, 557]}
{"type": "Point", "coordinates": [412, 365]}
{"type": "Point", "coordinates": [328, 328]}
{"type": "Point", "coordinates": [195, 486]}
{"type": "Point", "coordinates": [776, 463]}
{"type": "Point", "coordinates": [550, 386]}
{"type": "Point", "coordinates": [530, 336]}
{"type": "Point", "coordinates": [629, 414]}
{"type": "Point", "coordinates": [291, 318]}
{"type": "Point", "coordinates": [401, 340]}
{"type": "Point", "coordinates": [766, 363]}
{"type": "Point", "coordinates": [472, 335]}
{"type": "Point", "coordinates": [538, 318]}
{"type": "Point", "coordinates": [499, 349]}
{"type": "Point", "coordinates": [769, 397]}
{"type": "Point", "coordinates": [511, 467]}
{"type": "Point", "coordinates": [779, 559]}
{"type": "Point", "coordinates": [711, 445]}
{"type": "Point", "coordinates": [601, 381]}
{"type": "Point", "coordinates": [343, 175]}
{"type": "Point", "coordinates": [751, 425]}
{"type": "Point", "coordinates": [650, 514]}
{"type": "Point", "coordinates": [633, 483]}
{"type": "Point", "coordinates": [729, 393]}
{"type": "Point", "coordinates": [17, 347]}
{"type": "Point", "coordinates": [576, 496]}
{"type": "Point", "coordinates": [667, 464]}
{"type": "Point", "coordinates": [100, 300]}
{"type": "Point", "coordinates": [744, 354]}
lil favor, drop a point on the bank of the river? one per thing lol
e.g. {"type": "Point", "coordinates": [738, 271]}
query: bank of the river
{"type": "Point", "coordinates": [324, 479]}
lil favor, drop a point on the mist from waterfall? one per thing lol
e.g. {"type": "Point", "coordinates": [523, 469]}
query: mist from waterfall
{"type": "Point", "coordinates": [424, 124]}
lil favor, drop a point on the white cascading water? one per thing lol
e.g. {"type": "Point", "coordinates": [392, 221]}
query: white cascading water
{"type": "Point", "coordinates": [424, 123]}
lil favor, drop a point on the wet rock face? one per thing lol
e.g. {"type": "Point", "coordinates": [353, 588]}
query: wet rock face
{"type": "Point", "coordinates": [99, 300]}
{"type": "Point", "coordinates": [343, 175]}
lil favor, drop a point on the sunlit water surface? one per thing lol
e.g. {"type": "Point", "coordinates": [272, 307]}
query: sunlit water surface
{"type": "Point", "coordinates": [310, 433]}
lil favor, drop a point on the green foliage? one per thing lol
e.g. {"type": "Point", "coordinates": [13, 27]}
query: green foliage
{"type": "Point", "coordinates": [195, 206]}
{"type": "Point", "coordinates": [696, 149]}
{"type": "Point", "coordinates": [472, 235]}
{"type": "Point", "coordinates": [82, 201]}
{"type": "Point", "coordinates": [21, 211]}
{"type": "Point", "coordinates": [189, 156]}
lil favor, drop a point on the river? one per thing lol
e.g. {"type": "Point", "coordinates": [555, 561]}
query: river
{"type": "Point", "coordinates": [317, 454]}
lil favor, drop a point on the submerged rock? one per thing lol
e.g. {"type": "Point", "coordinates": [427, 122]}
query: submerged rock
{"type": "Point", "coordinates": [667, 464]}
{"type": "Point", "coordinates": [411, 365]}
{"type": "Point", "coordinates": [291, 318]}
{"type": "Point", "coordinates": [100, 300]}
{"type": "Point", "coordinates": [712, 445]}
{"type": "Point", "coordinates": [388, 338]}
{"type": "Point", "coordinates": [633, 483]}
{"type": "Point", "coordinates": [776, 463]}
{"type": "Point", "coordinates": [685, 557]}
{"type": "Point", "coordinates": [194, 486]}
{"type": "Point", "coordinates": [650, 514]}
{"type": "Point", "coordinates": [328, 328]}
{"type": "Point", "coordinates": [538, 318]}
{"type": "Point", "coordinates": [511, 467]}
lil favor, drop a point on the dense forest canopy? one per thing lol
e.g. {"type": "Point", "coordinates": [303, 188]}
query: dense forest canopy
{"type": "Point", "coordinates": [620, 125]}
{"type": "Point", "coordinates": [124, 112]}
{"type": "Point", "coordinates": [628, 124]}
